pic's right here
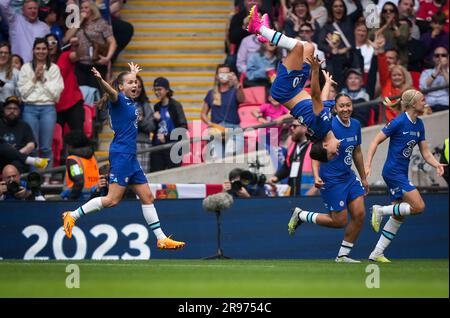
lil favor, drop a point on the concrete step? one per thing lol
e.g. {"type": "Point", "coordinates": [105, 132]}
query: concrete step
{"type": "Point", "coordinates": [176, 23]}
{"type": "Point", "coordinates": [179, 3]}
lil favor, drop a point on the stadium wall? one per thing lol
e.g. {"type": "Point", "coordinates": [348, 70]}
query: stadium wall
{"type": "Point", "coordinates": [251, 229]}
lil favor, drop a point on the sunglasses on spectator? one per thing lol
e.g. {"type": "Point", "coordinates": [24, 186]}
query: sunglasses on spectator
{"type": "Point", "coordinates": [440, 55]}
{"type": "Point", "coordinates": [52, 42]}
{"type": "Point", "coordinates": [305, 31]}
{"type": "Point", "coordinates": [4, 53]}
{"type": "Point", "coordinates": [388, 11]}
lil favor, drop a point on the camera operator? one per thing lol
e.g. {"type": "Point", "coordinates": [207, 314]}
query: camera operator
{"type": "Point", "coordinates": [244, 184]}
{"type": "Point", "coordinates": [101, 188]}
{"type": "Point", "coordinates": [11, 187]}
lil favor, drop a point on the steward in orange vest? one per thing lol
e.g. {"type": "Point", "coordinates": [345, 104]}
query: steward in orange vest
{"type": "Point", "coordinates": [81, 167]}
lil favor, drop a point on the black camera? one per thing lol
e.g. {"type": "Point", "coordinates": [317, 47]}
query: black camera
{"type": "Point", "coordinates": [13, 187]}
{"type": "Point", "coordinates": [246, 178]}
{"type": "Point", "coordinates": [34, 181]}
{"type": "Point", "coordinates": [2, 83]}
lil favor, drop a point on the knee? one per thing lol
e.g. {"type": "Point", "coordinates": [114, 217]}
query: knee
{"type": "Point", "coordinates": [418, 208]}
{"type": "Point", "coordinates": [359, 216]}
{"type": "Point", "coordinates": [108, 202]}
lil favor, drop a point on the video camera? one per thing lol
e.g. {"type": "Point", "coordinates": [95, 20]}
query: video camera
{"type": "Point", "coordinates": [249, 177]}
{"type": "Point", "coordinates": [34, 181]}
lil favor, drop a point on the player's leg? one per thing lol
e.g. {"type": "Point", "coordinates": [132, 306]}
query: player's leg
{"type": "Point", "coordinates": [115, 194]}
{"type": "Point", "coordinates": [411, 204]}
{"type": "Point", "coordinates": [142, 189]}
{"type": "Point", "coordinates": [356, 209]}
{"type": "Point", "coordinates": [11, 154]}
{"type": "Point", "coordinates": [405, 194]}
{"type": "Point", "coordinates": [256, 26]}
{"type": "Point", "coordinates": [335, 219]}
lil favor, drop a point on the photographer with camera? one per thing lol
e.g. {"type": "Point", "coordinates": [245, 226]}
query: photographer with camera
{"type": "Point", "coordinates": [101, 188]}
{"type": "Point", "coordinates": [12, 188]}
{"type": "Point", "coordinates": [245, 184]}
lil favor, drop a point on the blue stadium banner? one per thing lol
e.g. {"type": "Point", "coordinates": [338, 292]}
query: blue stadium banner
{"type": "Point", "coordinates": [251, 229]}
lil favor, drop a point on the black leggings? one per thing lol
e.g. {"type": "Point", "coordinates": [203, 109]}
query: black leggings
{"type": "Point", "coordinates": [10, 155]}
{"type": "Point", "coordinates": [73, 116]}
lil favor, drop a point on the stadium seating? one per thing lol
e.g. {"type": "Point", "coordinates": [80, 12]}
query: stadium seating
{"type": "Point", "coordinates": [57, 145]}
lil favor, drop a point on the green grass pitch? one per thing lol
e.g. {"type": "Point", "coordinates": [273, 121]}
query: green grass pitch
{"type": "Point", "coordinates": [224, 278]}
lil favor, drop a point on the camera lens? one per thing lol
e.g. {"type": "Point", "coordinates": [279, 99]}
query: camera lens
{"type": "Point", "coordinates": [13, 187]}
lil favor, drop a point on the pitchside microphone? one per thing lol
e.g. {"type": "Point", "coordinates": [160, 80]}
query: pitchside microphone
{"type": "Point", "coordinates": [217, 202]}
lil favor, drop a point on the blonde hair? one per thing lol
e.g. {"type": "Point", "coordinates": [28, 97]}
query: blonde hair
{"type": "Point", "coordinates": [406, 76]}
{"type": "Point", "coordinates": [409, 97]}
{"type": "Point", "coordinates": [95, 12]}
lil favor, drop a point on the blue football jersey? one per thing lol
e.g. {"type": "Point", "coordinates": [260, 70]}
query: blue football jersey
{"type": "Point", "coordinates": [318, 125]}
{"type": "Point", "coordinates": [339, 169]}
{"type": "Point", "coordinates": [404, 135]}
{"type": "Point", "coordinates": [124, 116]}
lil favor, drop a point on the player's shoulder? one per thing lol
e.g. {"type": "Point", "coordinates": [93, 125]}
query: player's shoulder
{"type": "Point", "coordinates": [355, 123]}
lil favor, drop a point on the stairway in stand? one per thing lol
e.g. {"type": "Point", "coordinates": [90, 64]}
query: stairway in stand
{"type": "Point", "coordinates": [181, 40]}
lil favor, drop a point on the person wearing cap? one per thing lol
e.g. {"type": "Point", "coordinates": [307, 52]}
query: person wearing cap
{"type": "Point", "coordinates": [354, 88]}
{"type": "Point", "coordinates": [81, 167]}
{"type": "Point", "coordinates": [15, 131]}
{"type": "Point", "coordinates": [169, 115]}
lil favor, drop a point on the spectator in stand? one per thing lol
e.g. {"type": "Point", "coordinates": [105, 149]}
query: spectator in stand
{"type": "Point", "coordinates": [416, 54]}
{"type": "Point", "coordinates": [318, 11]}
{"type": "Point", "coordinates": [123, 31]}
{"type": "Point", "coordinates": [336, 38]}
{"type": "Point", "coordinates": [306, 34]}
{"type": "Point", "coordinates": [427, 10]}
{"type": "Point", "coordinates": [146, 125]}
{"type": "Point", "coordinates": [69, 108]}
{"type": "Point", "coordinates": [223, 101]}
{"type": "Point", "coordinates": [364, 48]}
{"type": "Point", "coordinates": [169, 115]}
{"type": "Point", "coordinates": [249, 45]}
{"type": "Point", "coordinates": [435, 77]}
{"type": "Point", "coordinates": [396, 34]}
{"type": "Point", "coordinates": [297, 15]}
{"type": "Point", "coordinates": [271, 112]}
{"type": "Point", "coordinates": [24, 27]}
{"type": "Point", "coordinates": [17, 61]}
{"type": "Point", "coordinates": [394, 79]}
{"type": "Point", "coordinates": [40, 85]}
{"type": "Point", "coordinates": [15, 131]}
{"type": "Point", "coordinates": [49, 15]}
{"type": "Point", "coordinates": [8, 74]}
{"type": "Point", "coordinates": [406, 10]}
{"type": "Point", "coordinates": [262, 66]}
{"type": "Point", "coordinates": [354, 88]}
{"type": "Point", "coordinates": [435, 38]}
{"type": "Point", "coordinates": [94, 33]}
{"type": "Point", "coordinates": [237, 32]}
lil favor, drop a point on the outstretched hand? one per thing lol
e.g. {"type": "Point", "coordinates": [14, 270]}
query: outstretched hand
{"type": "Point", "coordinates": [314, 62]}
{"type": "Point", "coordinates": [134, 68]}
{"type": "Point", "coordinates": [96, 73]}
{"type": "Point", "coordinates": [328, 77]}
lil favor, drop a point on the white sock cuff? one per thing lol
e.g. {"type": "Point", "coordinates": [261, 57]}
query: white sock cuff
{"type": "Point", "coordinates": [345, 243]}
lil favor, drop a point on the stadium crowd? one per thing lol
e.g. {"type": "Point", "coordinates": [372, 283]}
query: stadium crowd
{"type": "Point", "coordinates": [371, 48]}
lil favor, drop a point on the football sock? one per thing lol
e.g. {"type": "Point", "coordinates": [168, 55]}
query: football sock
{"type": "Point", "coordinates": [345, 249]}
{"type": "Point", "coordinates": [396, 209]}
{"type": "Point", "coordinates": [308, 217]}
{"type": "Point", "coordinates": [152, 219]}
{"type": "Point", "coordinates": [387, 235]}
{"type": "Point", "coordinates": [278, 38]}
{"type": "Point", "coordinates": [93, 205]}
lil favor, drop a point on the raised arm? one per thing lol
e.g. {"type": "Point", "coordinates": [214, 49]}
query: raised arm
{"type": "Point", "coordinates": [315, 86]}
{"type": "Point", "coordinates": [111, 92]}
{"type": "Point", "coordinates": [326, 88]}
{"type": "Point", "coordinates": [379, 138]}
